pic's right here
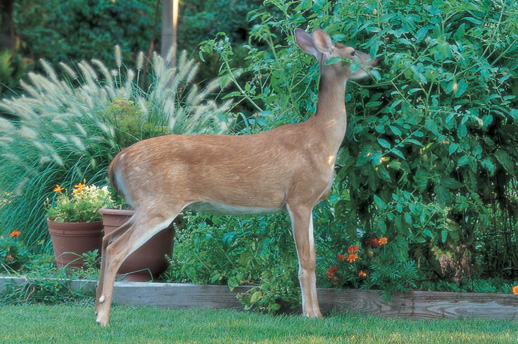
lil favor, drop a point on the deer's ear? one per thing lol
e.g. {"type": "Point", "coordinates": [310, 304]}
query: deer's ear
{"type": "Point", "coordinates": [305, 42]}
{"type": "Point", "coordinates": [322, 41]}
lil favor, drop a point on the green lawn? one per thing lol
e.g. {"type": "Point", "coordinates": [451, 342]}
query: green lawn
{"type": "Point", "coordinates": [76, 324]}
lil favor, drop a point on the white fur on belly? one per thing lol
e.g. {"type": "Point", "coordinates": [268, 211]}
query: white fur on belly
{"type": "Point", "coordinates": [225, 209]}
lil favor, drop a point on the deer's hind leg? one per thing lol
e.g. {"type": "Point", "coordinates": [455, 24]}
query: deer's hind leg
{"type": "Point", "coordinates": [107, 240]}
{"type": "Point", "coordinates": [144, 226]}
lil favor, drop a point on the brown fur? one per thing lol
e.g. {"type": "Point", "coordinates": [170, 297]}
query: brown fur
{"type": "Point", "coordinates": [287, 168]}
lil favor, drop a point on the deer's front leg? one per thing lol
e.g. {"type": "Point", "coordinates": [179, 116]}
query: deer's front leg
{"type": "Point", "coordinates": [302, 222]}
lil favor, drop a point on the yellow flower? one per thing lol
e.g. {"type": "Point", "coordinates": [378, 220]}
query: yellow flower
{"type": "Point", "coordinates": [78, 190]}
{"type": "Point", "coordinates": [58, 189]}
{"type": "Point", "coordinates": [81, 186]}
{"type": "Point", "coordinates": [515, 290]}
{"type": "Point", "coordinates": [362, 274]}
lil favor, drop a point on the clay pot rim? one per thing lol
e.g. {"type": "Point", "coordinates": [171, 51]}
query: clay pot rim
{"type": "Point", "coordinates": [123, 212]}
{"type": "Point", "coordinates": [65, 223]}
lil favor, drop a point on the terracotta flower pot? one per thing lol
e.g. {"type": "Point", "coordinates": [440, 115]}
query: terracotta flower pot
{"type": "Point", "coordinates": [71, 239]}
{"type": "Point", "coordinates": [149, 260]}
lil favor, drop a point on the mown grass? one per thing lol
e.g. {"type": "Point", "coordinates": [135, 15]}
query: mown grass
{"type": "Point", "coordinates": [75, 324]}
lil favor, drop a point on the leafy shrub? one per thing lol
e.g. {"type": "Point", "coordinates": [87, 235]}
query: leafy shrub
{"type": "Point", "coordinates": [69, 127]}
{"type": "Point", "coordinates": [13, 253]}
{"type": "Point", "coordinates": [429, 159]}
{"type": "Point", "coordinates": [11, 69]}
{"type": "Point", "coordinates": [74, 31]}
{"type": "Point", "coordinates": [239, 251]}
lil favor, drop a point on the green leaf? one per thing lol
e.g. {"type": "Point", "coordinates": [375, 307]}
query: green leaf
{"type": "Point", "coordinates": [422, 33]}
{"type": "Point", "coordinates": [452, 148]}
{"type": "Point", "coordinates": [444, 235]}
{"type": "Point", "coordinates": [232, 283]}
{"type": "Point", "coordinates": [364, 156]}
{"type": "Point", "coordinates": [451, 183]}
{"type": "Point", "coordinates": [442, 195]}
{"type": "Point", "coordinates": [463, 161]}
{"type": "Point", "coordinates": [488, 165]}
{"type": "Point", "coordinates": [384, 143]}
{"type": "Point", "coordinates": [462, 86]}
{"type": "Point", "coordinates": [256, 296]}
{"type": "Point", "coordinates": [395, 130]}
{"type": "Point", "coordinates": [505, 160]}
{"type": "Point", "coordinates": [216, 277]}
{"type": "Point", "coordinates": [428, 233]}
{"type": "Point", "coordinates": [379, 203]}
{"type": "Point", "coordinates": [461, 31]}
{"type": "Point", "coordinates": [333, 60]}
{"type": "Point", "coordinates": [398, 153]}
{"type": "Point", "coordinates": [431, 126]}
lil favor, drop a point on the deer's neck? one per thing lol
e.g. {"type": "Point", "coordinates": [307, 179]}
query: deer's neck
{"type": "Point", "coordinates": [330, 117]}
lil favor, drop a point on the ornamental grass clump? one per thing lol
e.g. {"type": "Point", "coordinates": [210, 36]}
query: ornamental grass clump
{"type": "Point", "coordinates": [81, 205]}
{"type": "Point", "coordinates": [68, 126]}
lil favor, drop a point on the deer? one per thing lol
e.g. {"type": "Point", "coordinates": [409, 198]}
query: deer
{"type": "Point", "coordinates": [289, 168]}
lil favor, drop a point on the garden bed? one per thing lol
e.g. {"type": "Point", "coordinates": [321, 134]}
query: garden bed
{"type": "Point", "coordinates": [414, 305]}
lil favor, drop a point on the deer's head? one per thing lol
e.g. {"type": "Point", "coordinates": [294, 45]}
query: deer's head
{"type": "Point", "coordinates": [336, 58]}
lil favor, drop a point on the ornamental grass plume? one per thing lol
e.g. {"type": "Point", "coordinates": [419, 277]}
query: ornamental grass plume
{"type": "Point", "coordinates": [68, 126]}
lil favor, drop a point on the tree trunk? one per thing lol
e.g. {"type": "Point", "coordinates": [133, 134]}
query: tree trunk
{"type": "Point", "coordinates": [7, 38]}
{"type": "Point", "coordinates": [169, 28]}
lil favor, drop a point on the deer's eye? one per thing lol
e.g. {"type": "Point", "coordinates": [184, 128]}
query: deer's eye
{"type": "Point", "coordinates": [353, 53]}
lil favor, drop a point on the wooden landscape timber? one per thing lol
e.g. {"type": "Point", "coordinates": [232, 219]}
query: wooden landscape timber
{"type": "Point", "coordinates": [412, 305]}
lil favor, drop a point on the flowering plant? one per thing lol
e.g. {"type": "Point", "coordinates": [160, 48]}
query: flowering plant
{"type": "Point", "coordinates": [376, 263]}
{"type": "Point", "coordinates": [13, 253]}
{"type": "Point", "coordinates": [81, 205]}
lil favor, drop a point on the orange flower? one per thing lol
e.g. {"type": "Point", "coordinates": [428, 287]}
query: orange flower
{"type": "Point", "coordinates": [58, 189]}
{"type": "Point", "coordinates": [331, 272]}
{"type": "Point", "coordinates": [341, 257]}
{"type": "Point", "coordinates": [78, 190]}
{"type": "Point", "coordinates": [80, 186]}
{"type": "Point", "coordinates": [362, 274]}
{"type": "Point", "coordinates": [383, 241]}
{"type": "Point", "coordinates": [15, 234]}
{"type": "Point", "coordinates": [515, 290]}
{"type": "Point", "coordinates": [352, 257]}
{"type": "Point", "coordinates": [353, 249]}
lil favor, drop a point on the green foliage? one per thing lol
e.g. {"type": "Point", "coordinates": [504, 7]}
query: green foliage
{"type": "Point", "coordinates": [429, 160]}
{"type": "Point", "coordinates": [68, 127]}
{"type": "Point", "coordinates": [278, 291]}
{"type": "Point", "coordinates": [13, 252]}
{"type": "Point", "coordinates": [47, 291]}
{"type": "Point", "coordinates": [377, 263]}
{"type": "Point", "coordinates": [44, 283]}
{"type": "Point", "coordinates": [11, 70]}
{"type": "Point", "coordinates": [82, 205]}
{"type": "Point", "coordinates": [239, 250]}
{"type": "Point", "coordinates": [77, 30]}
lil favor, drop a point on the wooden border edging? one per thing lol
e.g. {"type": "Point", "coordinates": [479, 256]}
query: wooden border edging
{"type": "Point", "coordinates": [414, 305]}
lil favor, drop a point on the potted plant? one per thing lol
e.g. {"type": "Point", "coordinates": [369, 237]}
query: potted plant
{"type": "Point", "coordinates": [75, 224]}
{"type": "Point", "coordinates": [148, 261]}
